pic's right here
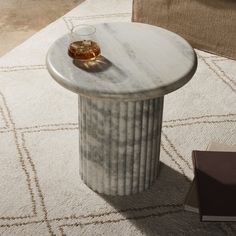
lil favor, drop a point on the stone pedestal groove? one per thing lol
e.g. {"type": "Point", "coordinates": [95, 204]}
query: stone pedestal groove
{"type": "Point", "coordinates": [119, 144]}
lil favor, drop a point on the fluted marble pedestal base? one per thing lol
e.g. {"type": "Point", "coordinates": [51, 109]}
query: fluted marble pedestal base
{"type": "Point", "coordinates": [119, 144]}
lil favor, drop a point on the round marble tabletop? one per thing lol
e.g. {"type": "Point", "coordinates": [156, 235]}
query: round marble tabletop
{"type": "Point", "coordinates": [138, 62]}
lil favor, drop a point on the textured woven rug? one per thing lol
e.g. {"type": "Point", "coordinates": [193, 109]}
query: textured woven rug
{"type": "Point", "coordinates": [41, 192]}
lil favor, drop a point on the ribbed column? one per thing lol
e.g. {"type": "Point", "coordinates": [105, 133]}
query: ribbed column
{"type": "Point", "coordinates": [119, 144]}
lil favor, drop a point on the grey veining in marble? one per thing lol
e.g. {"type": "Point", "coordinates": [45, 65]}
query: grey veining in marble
{"type": "Point", "coordinates": [119, 144]}
{"type": "Point", "coordinates": [138, 62]}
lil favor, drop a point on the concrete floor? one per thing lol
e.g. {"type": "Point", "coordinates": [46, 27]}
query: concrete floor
{"type": "Point", "coordinates": [19, 19]}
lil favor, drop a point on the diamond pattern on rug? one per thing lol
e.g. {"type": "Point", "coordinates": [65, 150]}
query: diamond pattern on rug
{"type": "Point", "coordinates": [164, 223]}
{"type": "Point", "coordinates": [30, 228]}
{"type": "Point", "coordinates": [195, 135]}
{"type": "Point", "coordinates": [38, 99]}
{"type": "Point", "coordinates": [63, 187]}
{"type": "Point", "coordinates": [20, 68]}
{"type": "Point", "coordinates": [226, 70]}
{"type": "Point", "coordinates": [3, 124]}
{"type": "Point", "coordinates": [4, 119]}
{"type": "Point", "coordinates": [41, 192]}
{"type": "Point", "coordinates": [16, 184]}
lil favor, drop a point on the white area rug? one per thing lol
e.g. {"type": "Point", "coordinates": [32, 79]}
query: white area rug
{"type": "Point", "coordinates": [41, 192]}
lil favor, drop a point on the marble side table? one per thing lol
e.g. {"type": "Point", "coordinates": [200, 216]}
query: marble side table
{"type": "Point", "coordinates": [121, 101]}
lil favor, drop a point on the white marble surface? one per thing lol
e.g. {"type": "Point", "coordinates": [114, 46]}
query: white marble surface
{"type": "Point", "coordinates": [141, 62]}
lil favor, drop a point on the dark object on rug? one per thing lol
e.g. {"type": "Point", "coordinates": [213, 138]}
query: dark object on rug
{"type": "Point", "coordinates": [216, 184]}
{"type": "Point", "coordinates": [207, 25]}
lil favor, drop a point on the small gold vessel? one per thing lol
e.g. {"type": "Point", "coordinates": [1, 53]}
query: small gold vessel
{"type": "Point", "coordinates": [84, 50]}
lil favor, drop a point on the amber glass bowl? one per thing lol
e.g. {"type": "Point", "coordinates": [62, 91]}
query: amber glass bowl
{"type": "Point", "coordinates": [83, 45]}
